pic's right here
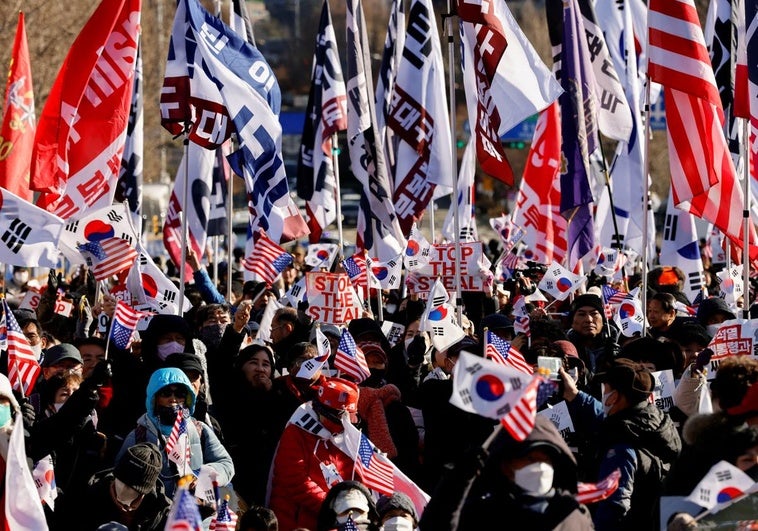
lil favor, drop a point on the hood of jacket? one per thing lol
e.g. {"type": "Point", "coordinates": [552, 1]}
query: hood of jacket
{"type": "Point", "coordinates": [644, 426]}
{"type": "Point", "coordinates": [544, 436]}
{"type": "Point", "coordinates": [160, 379]}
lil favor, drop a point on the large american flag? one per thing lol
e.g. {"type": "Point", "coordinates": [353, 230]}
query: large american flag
{"type": "Point", "coordinates": [109, 257]}
{"type": "Point", "coordinates": [23, 366]}
{"type": "Point", "coordinates": [703, 176]}
{"type": "Point", "coordinates": [177, 444]}
{"type": "Point", "coordinates": [501, 351]}
{"type": "Point", "coordinates": [267, 260]}
{"type": "Point", "coordinates": [595, 492]}
{"type": "Point", "coordinates": [375, 473]}
{"type": "Point", "coordinates": [124, 323]}
{"type": "Point", "coordinates": [350, 359]}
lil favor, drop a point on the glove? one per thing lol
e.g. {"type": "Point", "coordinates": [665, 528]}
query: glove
{"type": "Point", "coordinates": [416, 350]}
{"type": "Point", "coordinates": [101, 374]}
{"type": "Point", "coordinates": [53, 281]}
{"type": "Point", "coordinates": [703, 359]}
{"type": "Point", "coordinates": [28, 413]}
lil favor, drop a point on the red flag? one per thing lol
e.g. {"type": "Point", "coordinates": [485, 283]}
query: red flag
{"type": "Point", "coordinates": [23, 367]}
{"type": "Point", "coordinates": [703, 177]}
{"type": "Point", "coordinates": [19, 121]}
{"type": "Point", "coordinates": [82, 129]}
{"type": "Point", "coordinates": [538, 207]}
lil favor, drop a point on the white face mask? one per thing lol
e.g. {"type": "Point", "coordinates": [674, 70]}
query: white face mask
{"type": "Point", "coordinates": [37, 349]}
{"type": "Point", "coordinates": [535, 478]}
{"type": "Point", "coordinates": [712, 329]}
{"type": "Point", "coordinates": [124, 493]}
{"type": "Point", "coordinates": [165, 350]}
{"type": "Point", "coordinates": [21, 278]}
{"type": "Point", "coordinates": [398, 523]}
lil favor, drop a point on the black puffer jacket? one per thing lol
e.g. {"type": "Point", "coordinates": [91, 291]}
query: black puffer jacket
{"type": "Point", "coordinates": [642, 442]}
{"type": "Point", "coordinates": [464, 501]}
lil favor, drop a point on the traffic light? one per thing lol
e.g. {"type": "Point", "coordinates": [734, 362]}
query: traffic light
{"type": "Point", "coordinates": [156, 224]}
{"type": "Point", "coordinates": [515, 145]}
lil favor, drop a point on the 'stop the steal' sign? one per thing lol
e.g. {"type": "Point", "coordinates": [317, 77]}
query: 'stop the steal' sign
{"type": "Point", "coordinates": [331, 298]}
{"type": "Point", "coordinates": [475, 274]}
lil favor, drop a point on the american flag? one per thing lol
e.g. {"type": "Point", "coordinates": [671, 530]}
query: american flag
{"type": "Point", "coordinates": [225, 519]}
{"type": "Point", "coordinates": [109, 257]}
{"type": "Point", "coordinates": [23, 366]}
{"type": "Point", "coordinates": [614, 296]}
{"type": "Point", "coordinates": [501, 351]}
{"type": "Point", "coordinates": [519, 421]}
{"type": "Point", "coordinates": [595, 492]}
{"type": "Point", "coordinates": [350, 358]}
{"type": "Point", "coordinates": [124, 323]}
{"type": "Point", "coordinates": [267, 260]}
{"type": "Point", "coordinates": [374, 471]}
{"type": "Point", "coordinates": [177, 445]}
{"type": "Point", "coordinates": [355, 267]}
{"type": "Point", "coordinates": [349, 524]}
{"type": "Point", "coordinates": [184, 514]}
{"type": "Point", "coordinates": [702, 171]}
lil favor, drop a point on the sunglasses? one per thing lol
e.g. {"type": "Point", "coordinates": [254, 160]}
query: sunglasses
{"type": "Point", "coordinates": [178, 392]}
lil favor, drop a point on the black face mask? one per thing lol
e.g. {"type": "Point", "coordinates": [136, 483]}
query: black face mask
{"type": "Point", "coordinates": [752, 472]}
{"type": "Point", "coordinates": [166, 414]}
{"type": "Point", "coordinates": [211, 335]}
{"type": "Point", "coordinates": [376, 379]}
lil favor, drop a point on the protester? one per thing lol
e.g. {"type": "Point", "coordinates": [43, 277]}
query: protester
{"type": "Point", "coordinates": [633, 435]}
{"type": "Point", "coordinates": [348, 500]}
{"type": "Point", "coordinates": [168, 390]}
{"type": "Point", "coordinates": [308, 461]}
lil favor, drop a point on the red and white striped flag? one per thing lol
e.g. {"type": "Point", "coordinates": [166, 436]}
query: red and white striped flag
{"type": "Point", "coordinates": [350, 359]}
{"type": "Point", "coordinates": [108, 257]}
{"type": "Point", "coordinates": [177, 444]}
{"type": "Point", "coordinates": [225, 519]}
{"type": "Point", "coordinates": [267, 259]}
{"type": "Point", "coordinates": [124, 324]}
{"type": "Point", "coordinates": [502, 352]}
{"type": "Point", "coordinates": [595, 492]}
{"type": "Point", "coordinates": [703, 177]}
{"type": "Point", "coordinates": [23, 366]}
{"type": "Point", "coordinates": [375, 471]}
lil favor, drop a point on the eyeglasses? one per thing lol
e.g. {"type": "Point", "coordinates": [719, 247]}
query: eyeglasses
{"type": "Point", "coordinates": [178, 392]}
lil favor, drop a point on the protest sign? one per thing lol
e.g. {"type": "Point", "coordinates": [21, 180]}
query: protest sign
{"type": "Point", "coordinates": [331, 298]}
{"type": "Point", "coordinates": [475, 274]}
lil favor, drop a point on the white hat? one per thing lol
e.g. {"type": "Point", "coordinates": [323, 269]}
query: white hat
{"type": "Point", "coordinates": [350, 499]}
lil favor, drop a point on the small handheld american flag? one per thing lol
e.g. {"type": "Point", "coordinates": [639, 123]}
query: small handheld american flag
{"type": "Point", "coordinates": [177, 444]}
{"type": "Point", "coordinates": [501, 351]}
{"type": "Point", "coordinates": [350, 358]}
{"type": "Point", "coordinates": [23, 366]}
{"type": "Point", "coordinates": [267, 260]}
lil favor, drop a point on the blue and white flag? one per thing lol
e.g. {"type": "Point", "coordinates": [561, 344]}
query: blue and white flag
{"type": "Point", "coordinates": [378, 226]}
{"type": "Point", "coordinates": [28, 235]}
{"type": "Point", "coordinates": [464, 200]}
{"type": "Point", "coordinates": [326, 115]}
{"type": "Point", "coordinates": [240, 76]}
{"type": "Point", "coordinates": [680, 247]}
{"type": "Point", "coordinates": [394, 43]}
{"type": "Point", "coordinates": [419, 119]}
{"type": "Point", "coordinates": [129, 186]}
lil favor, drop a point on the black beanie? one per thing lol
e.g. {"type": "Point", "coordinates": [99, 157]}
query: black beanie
{"type": "Point", "coordinates": [139, 467]}
{"type": "Point", "coordinates": [587, 299]}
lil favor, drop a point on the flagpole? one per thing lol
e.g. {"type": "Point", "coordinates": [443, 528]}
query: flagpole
{"type": "Point", "coordinates": [431, 217]}
{"type": "Point", "coordinates": [229, 234]}
{"type": "Point", "coordinates": [646, 205]}
{"type": "Point", "coordinates": [454, 157]}
{"type": "Point", "coordinates": [337, 191]}
{"type": "Point", "coordinates": [746, 302]}
{"type": "Point", "coordinates": [185, 224]}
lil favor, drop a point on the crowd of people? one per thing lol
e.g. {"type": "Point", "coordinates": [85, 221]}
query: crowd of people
{"type": "Point", "coordinates": [282, 446]}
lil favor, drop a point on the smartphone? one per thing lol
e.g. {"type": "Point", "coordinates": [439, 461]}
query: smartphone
{"type": "Point", "coordinates": [550, 364]}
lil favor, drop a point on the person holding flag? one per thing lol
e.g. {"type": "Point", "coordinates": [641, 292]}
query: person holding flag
{"type": "Point", "coordinates": [167, 391]}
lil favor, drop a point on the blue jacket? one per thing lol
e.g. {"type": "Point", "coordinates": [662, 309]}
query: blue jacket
{"type": "Point", "coordinates": [205, 448]}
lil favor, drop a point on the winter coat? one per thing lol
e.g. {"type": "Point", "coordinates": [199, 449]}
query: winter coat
{"type": "Point", "coordinates": [298, 482]}
{"type": "Point", "coordinates": [474, 493]}
{"type": "Point", "coordinates": [151, 514]}
{"type": "Point", "coordinates": [205, 448]}
{"type": "Point", "coordinates": [642, 442]}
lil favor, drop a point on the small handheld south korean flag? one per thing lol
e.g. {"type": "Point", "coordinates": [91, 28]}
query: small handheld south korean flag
{"type": "Point", "coordinates": [559, 282]}
{"type": "Point", "coordinates": [439, 318]}
{"type": "Point", "coordinates": [310, 367]}
{"type": "Point", "coordinates": [723, 483]}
